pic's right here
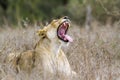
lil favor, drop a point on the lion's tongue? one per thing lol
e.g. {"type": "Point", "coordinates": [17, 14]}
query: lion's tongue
{"type": "Point", "coordinates": [69, 38]}
{"type": "Point", "coordinates": [65, 36]}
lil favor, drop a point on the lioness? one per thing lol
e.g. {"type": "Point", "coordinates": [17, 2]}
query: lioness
{"type": "Point", "coordinates": [47, 53]}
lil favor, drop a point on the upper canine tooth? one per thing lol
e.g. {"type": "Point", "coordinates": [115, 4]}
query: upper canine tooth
{"type": "Point", "coordinates": [64, 24]}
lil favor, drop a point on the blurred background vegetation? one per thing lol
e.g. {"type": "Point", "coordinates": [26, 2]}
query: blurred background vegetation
{"type": "Point", "coordinates": [15, 11]}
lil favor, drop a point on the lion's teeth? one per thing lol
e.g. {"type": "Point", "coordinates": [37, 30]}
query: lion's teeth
{"type": "Point", "coordinates": [64, 24]}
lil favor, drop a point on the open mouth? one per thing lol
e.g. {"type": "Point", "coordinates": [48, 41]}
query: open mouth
{"type": "Point", "coordinates": [62, 32]}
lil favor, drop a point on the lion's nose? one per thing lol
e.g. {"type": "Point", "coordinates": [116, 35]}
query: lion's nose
{"type": "Point", "coordinates": [66, 17]}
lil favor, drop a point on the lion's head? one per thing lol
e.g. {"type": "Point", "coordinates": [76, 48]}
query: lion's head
{"type": "Point", "coordinates": [57, 29]}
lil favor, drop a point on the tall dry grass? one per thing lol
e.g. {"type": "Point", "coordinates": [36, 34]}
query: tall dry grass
{"type": "Point", "coordinates": [94, 54]}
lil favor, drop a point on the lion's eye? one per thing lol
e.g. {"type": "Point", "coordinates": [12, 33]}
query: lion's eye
{"type": "Point", "coordinates": [42, 34]}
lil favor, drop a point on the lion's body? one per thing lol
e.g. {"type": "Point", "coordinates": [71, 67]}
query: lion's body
{"type": "Point", "coordinates": [47, 55]}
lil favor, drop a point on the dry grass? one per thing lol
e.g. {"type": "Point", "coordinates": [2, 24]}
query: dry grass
{"type": "Point", "coordinates": [94, 55]}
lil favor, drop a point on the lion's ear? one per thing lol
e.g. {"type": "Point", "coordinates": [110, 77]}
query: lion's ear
{"type": "Point", "coordinates": [42, 32]}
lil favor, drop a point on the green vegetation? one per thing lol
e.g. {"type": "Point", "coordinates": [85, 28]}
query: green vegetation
{"type": "Point", "coordinates": [14, 11]}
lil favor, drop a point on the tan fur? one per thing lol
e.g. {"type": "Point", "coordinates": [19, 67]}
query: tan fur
{"type": "Point", "coordinates": [47, 54]}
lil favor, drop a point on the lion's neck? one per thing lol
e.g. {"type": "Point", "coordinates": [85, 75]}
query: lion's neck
{"type": "Point", "coordinates": [53, 46]}
{"type": "Point", "coordinates": [56, 47]}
